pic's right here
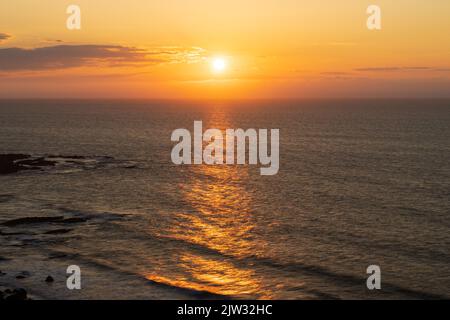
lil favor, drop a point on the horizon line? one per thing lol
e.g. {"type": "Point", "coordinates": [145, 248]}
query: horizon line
{"type": "Point", "coordinates": [224, 99]}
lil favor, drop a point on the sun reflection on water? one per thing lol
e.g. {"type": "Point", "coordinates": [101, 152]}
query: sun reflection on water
{"type": "Point", "coordinates": [220, 225]}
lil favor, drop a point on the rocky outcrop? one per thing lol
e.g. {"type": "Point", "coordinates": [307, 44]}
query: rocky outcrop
{"type": "Point", "coordinates": [8, 162]}
{"type": "Point", "coordinates": [14, 295]}
{"type": "Point", "coordinates": [12, 163]}
{"type": "Point", "coordinates": [38, 220]}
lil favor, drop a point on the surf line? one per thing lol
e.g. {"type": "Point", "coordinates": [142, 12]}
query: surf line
{"type": "Point", "coordinates": [219, 150]}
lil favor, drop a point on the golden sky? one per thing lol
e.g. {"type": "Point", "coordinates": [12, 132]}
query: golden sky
{"type": "Point", "coordinates": [272, 49]}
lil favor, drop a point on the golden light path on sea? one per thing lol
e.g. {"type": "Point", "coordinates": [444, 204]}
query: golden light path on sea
{"type": "Point", "coordinates": [222, 222]}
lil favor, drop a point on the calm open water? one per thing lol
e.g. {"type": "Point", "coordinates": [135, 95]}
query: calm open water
{"type": "Point", "coordinates": [361, 182]}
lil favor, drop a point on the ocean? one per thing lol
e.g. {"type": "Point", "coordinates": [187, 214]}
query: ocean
{"type": "Point", "coordinates": [360, 183]}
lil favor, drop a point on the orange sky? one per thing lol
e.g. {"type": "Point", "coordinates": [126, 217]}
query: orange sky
{"type": "Point", "coordinates": [273, 49]}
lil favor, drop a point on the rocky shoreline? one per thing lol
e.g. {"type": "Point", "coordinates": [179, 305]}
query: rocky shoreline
{"type": "Point", "coordinates": [13, 163]}
{"type": "Point", "coordinates": [14, 295]}
{"type": "Point", "coordinates": [17, 294]}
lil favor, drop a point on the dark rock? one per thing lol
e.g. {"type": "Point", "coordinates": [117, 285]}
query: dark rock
{"type": "Point", "coordinates": [57, 255]}
{"type": "Point", "coordinates": [49, 279]}
{"type": "Point", "coordinates": [66, 157]}
{"type": "Point", "coordinates": [16, 295]}
{"type": "Point", "coordinates": [36, 220]}
{"type": "Point", "coordinates": [23, 275]}
{"type": "Point", "coordinates": [58, 231]}
{"type": "Point", "coordinates": [12, 163]}
{"type": "Point", "coordinates": [14, 157]}
{"type": "Point", "coordinates": [32, 220]}
{"type": "Point", "coordinates": [39, 162]}
{"type": "Point", "coordinates": [7, 164]}
{"type": "Point", "coordinates": [14, 234]}
{"type": "Point", "coordinates": [74, 220]}
{"type": "Point", "coordinates": [30, 168]}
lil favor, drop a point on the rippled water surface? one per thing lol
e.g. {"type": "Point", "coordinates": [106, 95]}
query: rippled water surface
{"type": "Point", "coordinates": [361, 182]}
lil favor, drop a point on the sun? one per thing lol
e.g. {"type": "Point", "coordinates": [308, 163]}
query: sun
{"type": "Point", "coordinates": [218, 65]}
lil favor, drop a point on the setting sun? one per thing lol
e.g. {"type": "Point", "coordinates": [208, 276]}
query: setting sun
{"type": "Point", "coordinates": [219, 65]}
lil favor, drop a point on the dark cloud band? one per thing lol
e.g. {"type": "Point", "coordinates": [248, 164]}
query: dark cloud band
{"type": "Point", "coordinates": [4, 37]}
{"type": "Point", "coordinates": [70, 56]}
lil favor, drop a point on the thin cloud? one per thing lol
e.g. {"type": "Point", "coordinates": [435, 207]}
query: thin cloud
{"type": "Point", "coordinates": [388, 69]}
{"type": "Point", "coordinates": [336, 73]}
{"type": "Point", "coordinates": [4, 37]}
{"type": "Point", "coordinates": [54, 41]}
{"type": "Point", "coordinates": [429, 70]}
{"type": "Point", "coordinates": [442, 69]}
{"type": "Point", "coordinates": [72, 56]}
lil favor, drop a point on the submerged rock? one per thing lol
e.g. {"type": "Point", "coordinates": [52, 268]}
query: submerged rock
{"type": "Point", "coordinates": [39, 162]}
{"type": "Point", "coordinates": [13, 157]}
{"type": "Point", "coordinates": [37, 220]}
{"type": "Point", "coordinates": [53, 156]}
{"type": "Point", "coordinates": [58, 231]}
{"type": "Point", "coordinates": [23, 275]}
{"type": "Point", "coordinates": [15, 295]}
{"type": "Point", "coordinates": [12, 163]}
{"type": "Point", "coordinates": [32, 220]}
{"type": "Point", "coordinates": [74, 220]}
{"type": "Point", "coordinates": [7, 162]}
{"type": "Point", "coordinates": [57, 255]}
